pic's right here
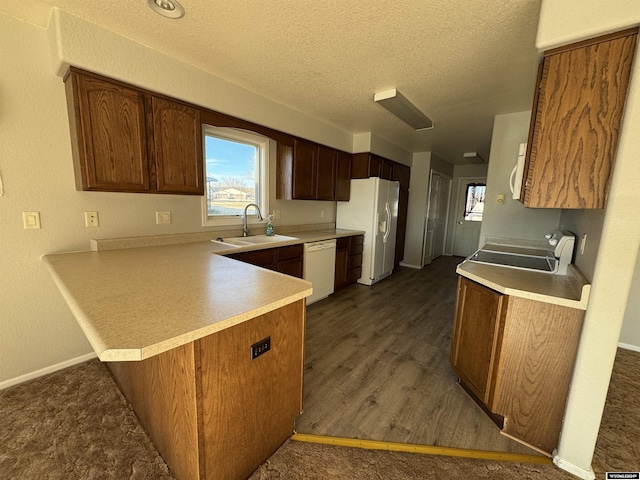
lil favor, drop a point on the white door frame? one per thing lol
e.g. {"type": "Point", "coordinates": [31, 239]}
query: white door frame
{"type": "Point", "coordinates": [455, 220]}
{"type": "Point", "coordinates": [426, 213]}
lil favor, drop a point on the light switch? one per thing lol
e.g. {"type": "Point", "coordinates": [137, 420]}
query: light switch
{"type": "Point", "coordinates": [31, 220]}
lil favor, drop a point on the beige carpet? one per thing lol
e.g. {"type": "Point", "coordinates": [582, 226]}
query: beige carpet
{"type": "Point", "coordinates": [75, 424]}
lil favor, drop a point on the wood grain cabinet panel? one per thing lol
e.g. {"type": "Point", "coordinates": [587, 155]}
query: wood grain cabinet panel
{"type": "Point", "coordinates": [386, 169]}
{"type": "Point", "coordinates": [401, 232]}
{"type": "Point", "coordinates": [287, 260]}
{"type": "Point", "coordinates": [476, 337]}
{"type": "Point", "coordinates": [516, 357]}
{"type": "Point", "coordinates": [326, 174]}
{"type": "Point", "coordinates": [305, 159]}
{"type": "Point", "coordinates": [342, 264]}
{"type": "Point", "coordinates": [576, 117]}
{"type": "Point", "coordinates": [249, 406]}
{"type": "Point", "coordinates": [401, 173]}
{"type": "Point", "coordinates": [343, 177]}
{"type": "Point", "coordinates": [213, 412]}
{"type": "Point", "coordinates": [177, 141]}
{"type": "Point", "coordinates": [307, 171]}
{"type": "Point", "coordinates": [108, 135]}
{"type": "Point", "coordinates": [348, 261]}
{"type": "Point", "coordinates": [125, 139]}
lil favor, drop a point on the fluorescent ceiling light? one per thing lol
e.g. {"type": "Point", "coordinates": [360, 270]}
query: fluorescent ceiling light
{"type": "Point", "coordinates": [402, 108]}
{"type": "Point", "coordinates": [473, 157]}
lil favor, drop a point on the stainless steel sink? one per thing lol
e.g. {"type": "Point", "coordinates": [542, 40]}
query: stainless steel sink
{"type": "Point", "coordinates": [235, 242]}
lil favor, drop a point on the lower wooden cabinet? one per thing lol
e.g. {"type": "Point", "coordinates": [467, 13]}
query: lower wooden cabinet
{"type": "Point", "coordinates": [212, 411]}
{"type": "Point", "coordinates": [281, 259]}
{"type": "Point", "coordinates": [348, 261]}
{"type": "Point", "coordinates": [515, 357]}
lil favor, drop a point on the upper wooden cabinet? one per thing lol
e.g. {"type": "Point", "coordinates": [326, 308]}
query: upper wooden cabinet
{"type": "Point", "coordinates": [177, 142]}
{"type": "Point", "coordinates": [401, 173]}
{"type": "Point", "coordinates": [516, 357]}
{"type": "Point", "coordinates": [125, 139]}
{"type": "Point", "coordinates": [326, 173]}
{"type": "Point", "coordinates": [575, 122]}
{"type": "Point", "coordinates": [308, 171]}
{"type": "Point", "coordinates": [108, 133]}
{"type": "Point", "coordinates": [366, 165]}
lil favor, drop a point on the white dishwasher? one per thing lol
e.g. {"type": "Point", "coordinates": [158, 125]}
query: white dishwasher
{"type": "Point", "coordinates": [319, 266]}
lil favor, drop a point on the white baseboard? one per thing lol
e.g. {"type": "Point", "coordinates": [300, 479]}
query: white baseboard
{"type": "Point", "coordinates": [410, 265]}
{"type": "Point", "coordinates": [574, 469]}
{"type": "Point", "coordinates": [628, 346]}
{"type": "Point", "coordinates": [44, 371]}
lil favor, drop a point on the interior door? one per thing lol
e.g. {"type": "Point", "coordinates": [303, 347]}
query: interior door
{"type": "Point", "coordinates": [441, 215]}
{"type": "Point", "coordinates": [436, 217]}
{"type": "Point", "coordinates": [469, 211]}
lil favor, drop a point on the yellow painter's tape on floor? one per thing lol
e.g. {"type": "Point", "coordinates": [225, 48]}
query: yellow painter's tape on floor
{"type": "Point", "coordinates": [422, 449]}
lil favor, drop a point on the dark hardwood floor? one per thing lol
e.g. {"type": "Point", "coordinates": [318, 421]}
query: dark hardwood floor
{"type": "Point", "coordinates": [377, 365]}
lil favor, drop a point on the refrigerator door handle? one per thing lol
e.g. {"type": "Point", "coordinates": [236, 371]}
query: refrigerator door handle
{"type": "Point", "coordinates": [388, 223]}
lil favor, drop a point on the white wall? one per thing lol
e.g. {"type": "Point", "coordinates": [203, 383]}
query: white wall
{"type": "Point", "coordinates": [562, 22]}
{"type": "Point", "coordinates": [511, 220]}
{"type": "Point", "coordinates": [580, 223]}
{"type": "Point", "coordinates": [37, 330]}
{"type": "Point", "coordinates": [630, 333]}
{"type": "Point", "coordinates": [423, 163]}
{"type": "Point", "coordinates": [418, 188]}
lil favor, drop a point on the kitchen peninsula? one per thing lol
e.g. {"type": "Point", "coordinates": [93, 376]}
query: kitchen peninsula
{"type": "Point", "coordinates": [185, 333]}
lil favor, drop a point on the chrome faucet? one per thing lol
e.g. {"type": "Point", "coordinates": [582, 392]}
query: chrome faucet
{"type": "Point", "coordinates": [245, 228]}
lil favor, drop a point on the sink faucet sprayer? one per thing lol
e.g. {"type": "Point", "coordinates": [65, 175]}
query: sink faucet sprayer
{"type": "Point", "coordinates": [245, 228]}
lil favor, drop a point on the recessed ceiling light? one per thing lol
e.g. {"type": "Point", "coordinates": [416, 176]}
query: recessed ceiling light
{"type": "Point", "coordinates": [167, 8]}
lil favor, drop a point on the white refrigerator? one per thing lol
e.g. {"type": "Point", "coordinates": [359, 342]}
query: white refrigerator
{"type": "Point", "coordinates": [373, 207]}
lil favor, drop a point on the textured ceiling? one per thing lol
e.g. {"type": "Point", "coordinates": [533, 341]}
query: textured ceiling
{"type": "Point", "coordinates": [460, 61]}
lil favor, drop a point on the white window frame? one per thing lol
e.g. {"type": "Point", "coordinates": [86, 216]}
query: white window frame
{"type": "Point", "coordinates": [264, 145]}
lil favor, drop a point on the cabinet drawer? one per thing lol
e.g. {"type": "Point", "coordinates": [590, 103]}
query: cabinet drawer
{"type": "Point", "coordinates": [353, 274]}
{"type": "Point", "coordinates": [261, 258]}
{"type": "Point", "coordinates": [292, 266]}
{"type": "Point", "coordinates": [293, 251]}
{"type": "Point", "coordinates": [342, 242]}
{"type": "Point", "coordinates": [354, 261]}
{"type": "Point", "coordinates": [357, 240]}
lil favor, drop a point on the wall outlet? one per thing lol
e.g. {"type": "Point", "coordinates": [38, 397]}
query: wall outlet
{"type": "Point", "coordinates": [91, 219]}
{"type": "Point", "coordinates": [321, 213]}
{"type": "Point", "coordinates": [276, 214]}
{"type": "Point", "coordinates": [163, 218]}
{"type": "Point", "coordinates": [500, 199]}
{"type": "Point", "coordinates": [258, 348]}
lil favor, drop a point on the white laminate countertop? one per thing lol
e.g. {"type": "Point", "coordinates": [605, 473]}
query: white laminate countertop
{"type": "Point", "coordinates": [570, 290]}
{"type": "Point", "coordinates": [134, 303]}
